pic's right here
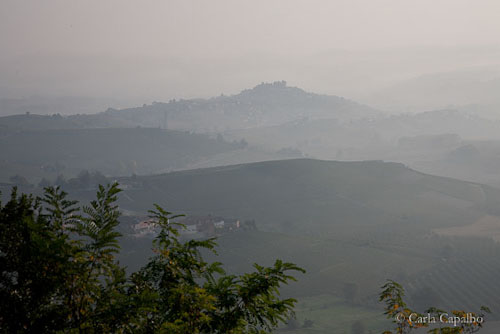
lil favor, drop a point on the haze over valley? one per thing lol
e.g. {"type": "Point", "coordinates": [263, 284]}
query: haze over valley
{"type": "Point", "coordinates": [358, 140]}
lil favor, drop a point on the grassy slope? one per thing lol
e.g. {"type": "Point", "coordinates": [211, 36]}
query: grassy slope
{"type": "Point", "coordinates": [317, 197]}
{"type": "Point", "coordinates": [345, 222]}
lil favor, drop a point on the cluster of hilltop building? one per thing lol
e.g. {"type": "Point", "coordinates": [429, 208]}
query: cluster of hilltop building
{"type": "Point", "coordinates": [196, 226]}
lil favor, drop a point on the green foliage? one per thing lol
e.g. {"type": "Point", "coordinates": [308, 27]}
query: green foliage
{"type": "Point", "coordinates": [35, 256]}
{"type": "Point", "coordinates": [97, 273]}
{"type": "Point", "coordinates": [60, 211]}
{"type": "Point", "coordinates": [59, 274]}
{"type": "Point", "coordinates": [185, 294]}
{"type": "Point", "coordinates": [406, 319]}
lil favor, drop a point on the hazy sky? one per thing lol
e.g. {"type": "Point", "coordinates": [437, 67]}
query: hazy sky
{"type": "Point", "coordinates": [161, 49]}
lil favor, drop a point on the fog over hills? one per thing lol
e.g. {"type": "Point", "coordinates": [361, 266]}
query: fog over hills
{"type": "Point", "coordinates": [162, 136]}
{"type": "Point", "coordinates": [357, 139]}
{"type": "Point", "coordinates": [276, 121]}
{"type": "Point", "coordinates": [49, 105]}
{"type": "Point", "coordinates": [471, 89]}
{"type": "Point", "coordinates": [265, 104]}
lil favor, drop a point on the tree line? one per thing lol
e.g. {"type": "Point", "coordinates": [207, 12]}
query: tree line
{"type": "Point", "coordinates": [59, 274]}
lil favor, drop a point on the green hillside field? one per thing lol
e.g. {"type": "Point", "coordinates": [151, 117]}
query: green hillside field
{"type": "Point", "coordinates": [351, 225]}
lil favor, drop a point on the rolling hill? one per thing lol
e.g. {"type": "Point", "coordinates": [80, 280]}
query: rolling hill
{"type": "Point", "coordinates": [305, 195]}
{"type": "Point", "coordinates": [265, 104]}
{"type": "Point", "coordinates": [345, 223]}
{"type": "Point", "coordinates": [349, 224]}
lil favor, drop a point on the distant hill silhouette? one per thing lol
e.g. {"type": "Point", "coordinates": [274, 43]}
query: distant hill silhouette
{"type": "Point", "coordinates": [265, 104]}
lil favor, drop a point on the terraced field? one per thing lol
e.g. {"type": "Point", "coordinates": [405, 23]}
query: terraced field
{"type": "Point", "coordinates": [461, 284]}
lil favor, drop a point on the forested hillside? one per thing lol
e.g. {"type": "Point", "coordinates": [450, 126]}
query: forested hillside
{"type": "Point", "coordinates": [36, 154]}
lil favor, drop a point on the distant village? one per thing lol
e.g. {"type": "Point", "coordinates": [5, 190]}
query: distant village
{"type": "Point", "coordinates": [195, 226]}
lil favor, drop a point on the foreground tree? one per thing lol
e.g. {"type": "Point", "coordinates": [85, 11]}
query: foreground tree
{"type": "Point", "coordinates": [35, 259]}
{"type": "Point", "coordinates": [59, 274]}
{"type": "Point", "coordinates": [407, 320]}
